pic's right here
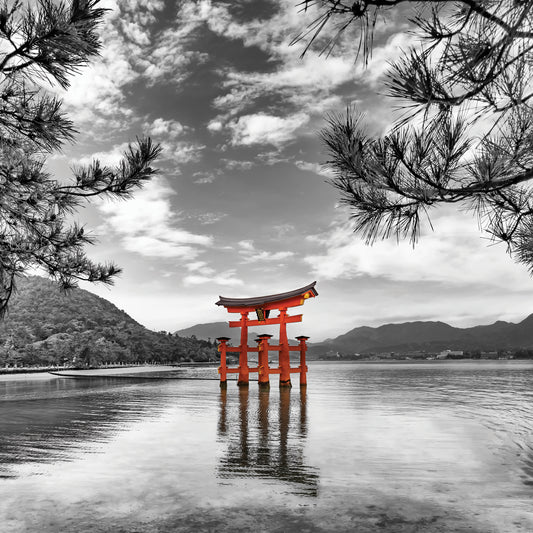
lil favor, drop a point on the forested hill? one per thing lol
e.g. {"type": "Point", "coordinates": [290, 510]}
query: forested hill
{"type": "Point", "coordinates": [45, 326]}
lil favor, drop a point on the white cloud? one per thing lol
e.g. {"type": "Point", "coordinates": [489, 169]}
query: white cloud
{"type": "Point", "coordinates": [96, 94]}
{"type": "Point", "coordinates": [316, 168]}
{"type": "Point", "coordinates": [250, 254]}
{"type": "Point", "coordinates": [206, 177]}
{"type": "Point", "coordinates": [233, 164]}
{"type": "Point", "coordinates": [148, 226]}
{"type": "Point", "coordinates": [168, 129]}
{"type": "Point", "coordinates": [182, 152]}
{"type": "Point", "coordinates": [307, 76]}
{"type": "Point", "coordinates": [247, 245]}
{"type": "Point", "coordinates": [200, 267]}
{"type": "Point", "coordinates": [282, 230]}
{"type": "Point", "coordinates": [224, 278]}
{"type": "Point", "coordinates": [169, 58]}
{"type": "Point", "coordinates": [133, 47]}
{"type": "Point", "coordinates": [158, 246]}
{"type": "Point", "coordinates": [136, 33]}
{"type": "Point", "coordinates": [260, 128]}
{"type": "Point", "coordinates": [297, 84]}
{"type": "Point", "coordinates": [273, 157]}
{"type": "Point", "coordinates": [454, 254]}
{"type": "Point", "coordinates": [202, 274]}
{"type": "Point", "coordinates": [166, 133]}
{"type": "Point", "coordinates": [268, 256]}
{"type": "Point", "coordinates": [210, 218]}
{"type": "Point", "coordinates": [214, 125]}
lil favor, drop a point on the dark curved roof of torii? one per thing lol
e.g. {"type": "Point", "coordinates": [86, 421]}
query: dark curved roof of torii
{"type": "Point", "coordinates": [260, 300]}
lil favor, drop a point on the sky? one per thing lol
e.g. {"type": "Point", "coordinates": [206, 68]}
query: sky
{"type": "Point", "coordinates": [242, 205]}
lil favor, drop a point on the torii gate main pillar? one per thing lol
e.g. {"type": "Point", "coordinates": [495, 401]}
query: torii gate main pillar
{"type": "Point", "coordinates": [284, 355]}
{"type": "Point", "coordinates": [243, 354]}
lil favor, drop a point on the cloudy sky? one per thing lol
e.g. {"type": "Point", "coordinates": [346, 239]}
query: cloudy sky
{"type": "Point", "coordinates": [241, 206]}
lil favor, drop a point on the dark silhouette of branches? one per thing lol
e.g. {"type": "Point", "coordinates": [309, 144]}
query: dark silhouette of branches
{"type": "Point", "coordinates": [49, 40]}
{"type": "Point", "coordinates": [466, 134]}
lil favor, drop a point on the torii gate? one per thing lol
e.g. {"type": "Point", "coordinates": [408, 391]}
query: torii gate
{"type": "Point", "coordinates": [263, 305]}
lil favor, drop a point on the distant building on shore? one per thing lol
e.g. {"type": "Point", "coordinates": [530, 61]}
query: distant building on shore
{"type": "Point", "coordinates": [452, 353]}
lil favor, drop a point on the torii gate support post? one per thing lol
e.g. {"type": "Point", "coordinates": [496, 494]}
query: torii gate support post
{"type": "Point", "coordinates": [284, 357]}
{"type": "Point", "coordinates": [223, 368]}
{"type": "Point", "coordinates": [244, 374]}
{"type": "Point", "coordinates": [303, 366]}
{"type": "Point", "coordinates": [264, 369]}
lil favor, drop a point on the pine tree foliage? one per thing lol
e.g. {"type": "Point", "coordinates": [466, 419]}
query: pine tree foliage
{"type": "Point", "coordinates": [47, 40]}
{"type": "Point", "coordinates": [466, 133]}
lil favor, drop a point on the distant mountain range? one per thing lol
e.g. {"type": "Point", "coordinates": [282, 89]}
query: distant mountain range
{"type": "Point", "coordinates": [212, 330]}
{"type": "Point", "coordinates": [431, 337]}
{"type": "Point", "coordinates": [405, 337]}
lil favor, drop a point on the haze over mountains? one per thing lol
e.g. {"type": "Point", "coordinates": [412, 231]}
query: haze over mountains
{"type": "Point", "coordinates": [409, 336]}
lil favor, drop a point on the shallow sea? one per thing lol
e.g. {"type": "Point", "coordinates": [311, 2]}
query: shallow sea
{"type": "Point", "coordinates": [406, 447]}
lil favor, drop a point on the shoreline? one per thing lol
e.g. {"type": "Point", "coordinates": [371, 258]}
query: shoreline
{"type": "Point", "coordinates": [144, 367]}
{"type": "Point", "coordinates": [416, 361]}
{"type": "Point", "coordinates": [35, 370]}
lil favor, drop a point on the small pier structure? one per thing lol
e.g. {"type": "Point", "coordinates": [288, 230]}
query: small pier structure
{"type": "Point", "coordinates": [263, 306]}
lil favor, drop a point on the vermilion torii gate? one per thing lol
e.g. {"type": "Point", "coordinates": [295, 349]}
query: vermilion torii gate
{"type": "Point", "coordinates": [262, 306]}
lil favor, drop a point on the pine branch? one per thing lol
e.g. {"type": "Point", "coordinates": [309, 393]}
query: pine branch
{"type": "Point", "coordinates": [51, 39]}
{"type": "Point", "coordinates": [134, 169]}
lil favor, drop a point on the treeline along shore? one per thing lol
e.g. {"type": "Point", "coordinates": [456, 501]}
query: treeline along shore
{"type": "Point", "coordinates": [47, 329]}
{"type": "Point", "coordinates": [445, 355]}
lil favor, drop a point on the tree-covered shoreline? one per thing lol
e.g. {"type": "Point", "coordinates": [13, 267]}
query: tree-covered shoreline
{"type": "Point", "coordinates": [46, 327]}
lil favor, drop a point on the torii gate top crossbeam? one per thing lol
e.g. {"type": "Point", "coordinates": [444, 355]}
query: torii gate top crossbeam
{"type": "Point", "coordinates": [271, 301]}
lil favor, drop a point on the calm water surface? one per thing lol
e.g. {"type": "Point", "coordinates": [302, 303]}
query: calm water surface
{"type": "Point", "coordinates": [433, 447]}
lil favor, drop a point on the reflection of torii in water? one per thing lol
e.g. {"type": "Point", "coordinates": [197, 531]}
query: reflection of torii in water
{"type": "Point", "coordinates": [262, 306]}
{"type": "Point", "coordinates": [268, 448]}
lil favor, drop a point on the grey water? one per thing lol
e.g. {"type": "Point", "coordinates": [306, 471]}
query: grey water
{"type": "Point", "coordinates": [410, 447]}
